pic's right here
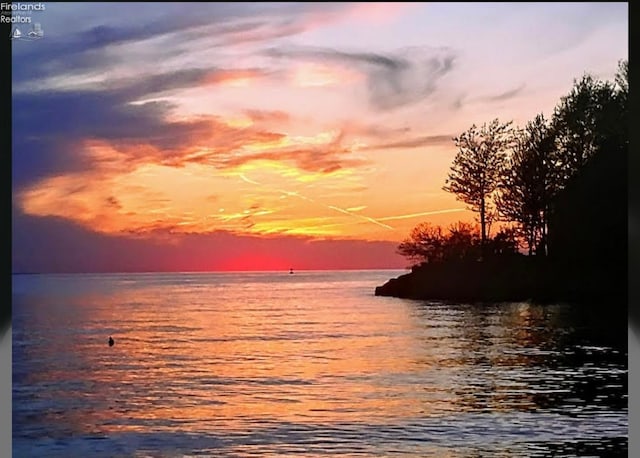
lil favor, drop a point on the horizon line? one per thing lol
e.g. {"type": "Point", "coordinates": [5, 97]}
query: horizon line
{"type": "Point", "coordinates": [205, 271]}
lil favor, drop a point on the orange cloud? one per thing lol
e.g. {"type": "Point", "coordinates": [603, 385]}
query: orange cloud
{"type": "Point", "coordinates": [268, 116]}
{"type": "Point", "coordinates": [312, 74]}
{"type": "Point", "coordinates": [143, 189]}
{"type": "Point", "coordinates": [264, 182]}
{"type": "Point", "coordinates": [155, 200]}
{"type": "Point", "coordinates": [235, 78]}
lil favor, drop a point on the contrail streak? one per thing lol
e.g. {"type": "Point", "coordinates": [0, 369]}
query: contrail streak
{"type": "Point", "coordinates": [366, 218]}
{"type": "Point", "coordinates": [331, 207]}
{"type": "Point", "coordinates": [244, 178]}
{"type": "Point", "coordinates": [388, 218]}
{"type": "Point", "coordinates": [415, 215]}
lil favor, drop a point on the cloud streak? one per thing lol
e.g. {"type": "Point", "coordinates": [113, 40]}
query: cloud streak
{"type": "Point", "coordinates": [393, 79]}
{"type": "Point", "coordinates": [324, 159]}
{"type": "Point", "coordinates": [417, 142]}
{"type": "Point", "coordinates": [213, 25]}
{"type": "Point", "coordinates": [507, 95]}
{"type": "Point", "coordinates": [144, 132]}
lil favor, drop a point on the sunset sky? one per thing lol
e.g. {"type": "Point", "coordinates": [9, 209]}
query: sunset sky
{"type": "Point", "coordinates": [266, 136]}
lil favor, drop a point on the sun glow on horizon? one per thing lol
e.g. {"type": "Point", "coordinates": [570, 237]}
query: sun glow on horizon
{"type": "Point", "coordinates": [299, 121]}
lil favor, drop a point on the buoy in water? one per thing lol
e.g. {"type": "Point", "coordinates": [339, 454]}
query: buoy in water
{"type": "Point", "coordinates": [111, 341]}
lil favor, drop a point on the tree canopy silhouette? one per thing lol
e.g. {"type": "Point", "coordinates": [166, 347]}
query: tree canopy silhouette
{"type": "Point", "coordinates": [518, 174]}
{"type": "Point", "coordinates": [423, 244]}
{"type": "Point", "coordinates": [432, 244]}
{"type": "Point", "coordinates": [529, 183]}
{"type": "Point", "coordinates": [584, 121]}
{"type": "Point", "coordinates": [477, 167]}
{"type": "Point", "coordinates": [560, 183]}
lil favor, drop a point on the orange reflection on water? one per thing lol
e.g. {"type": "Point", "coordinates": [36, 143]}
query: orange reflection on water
{"type": "Point", "coordinates": [208, 354]}
{"type": "Point", "coordinates": [214, 356]}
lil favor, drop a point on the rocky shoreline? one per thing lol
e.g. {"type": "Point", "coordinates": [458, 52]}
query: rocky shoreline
{"type": "Point", "coordinates": [518, 279]}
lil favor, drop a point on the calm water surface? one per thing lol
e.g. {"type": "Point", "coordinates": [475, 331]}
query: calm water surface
{"type": "Point", "coordinates": [311, 364]}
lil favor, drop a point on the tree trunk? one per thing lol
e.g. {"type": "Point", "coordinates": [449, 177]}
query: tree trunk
{"type": "Point", "coordinates": [544, 233]}
{"type": "Point", "coordinates": [545, 217]}
{"type": "Point", "coordinates": [483, 229]}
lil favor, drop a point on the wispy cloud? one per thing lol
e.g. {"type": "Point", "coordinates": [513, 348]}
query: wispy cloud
{"type": "Point", "coordinates": [327, 158]}
{"type": "Point", "coordinates": [374, 130]}
{"type": "Point", "coordinates": [176, 27]}
{"type": "Point", "coordinates": [393, 79]}
{"type": "Point", "coordinates": [146, 132]}
{"type": "Point", "coordinates": [506, 95]}
{"type": "Point", "coordinates": [416, 142]}
{"type": "Point", "coordinates": [268, 116]}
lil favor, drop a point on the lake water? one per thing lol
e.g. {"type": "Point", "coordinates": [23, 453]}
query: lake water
{"type": "Point", "coordinates": [310, 364]}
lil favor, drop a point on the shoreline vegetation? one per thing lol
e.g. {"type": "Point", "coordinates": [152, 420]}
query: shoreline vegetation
{"type": "Point", "coordinates": [557, 189]}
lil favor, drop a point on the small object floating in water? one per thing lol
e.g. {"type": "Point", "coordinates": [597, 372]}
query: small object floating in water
{"type": "Point", "coordinates": [291, 270]}
{"type": "Point", "coordinates": [111, 341]}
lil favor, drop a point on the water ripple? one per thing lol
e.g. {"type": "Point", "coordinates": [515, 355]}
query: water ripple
{"type": "Point", "coordinates": [269, 365]}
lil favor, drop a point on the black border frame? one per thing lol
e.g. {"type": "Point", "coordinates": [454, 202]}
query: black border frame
{"type": "Point", "coordinates": [5, 307]}
{"type": "Point", "coordinates": [633, 259]}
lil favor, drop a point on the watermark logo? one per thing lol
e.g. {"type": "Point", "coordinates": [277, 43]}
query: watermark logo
{"type": "Point", "coordinates": [35, 33]}
{"type": "Point", "coordinates": [26, 26]}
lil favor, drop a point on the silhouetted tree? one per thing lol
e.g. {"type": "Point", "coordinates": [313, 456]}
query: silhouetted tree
{"type": "Point", "coordinates": [529, 183]}
{"type": "Point", "coordinates": [584, 121]}
{"type": "Point", "coordinates": [477, 167]}
{"type": "Point", "coordinates": [504, 243]}
{"type": "Point", "coordinates": [430, 244]}
{"type": "Point", "coordinates": [591, 119]}
{"type": "Point", "coordinates": [425, 243]}
{"type": "Point", "coordinates": [462, 242]}
{"type": "Point", "coordinates": [563, 185]}
{"type": "Point", "coordinates": [621, 134]}
{"type": "Point", "coordinates": [622, 80]}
